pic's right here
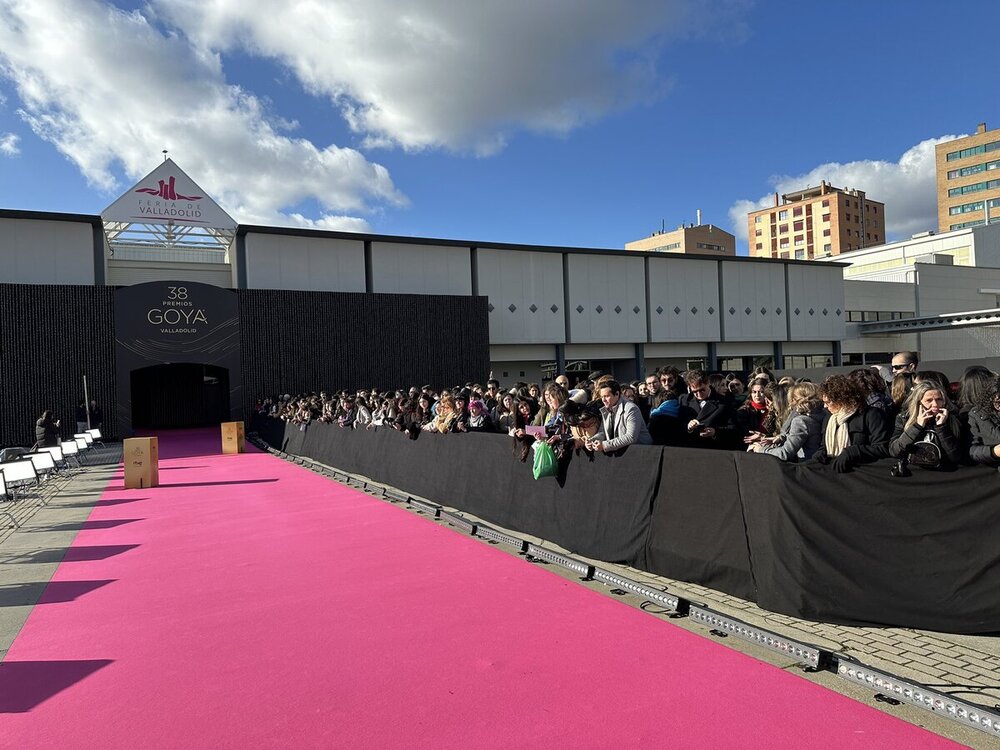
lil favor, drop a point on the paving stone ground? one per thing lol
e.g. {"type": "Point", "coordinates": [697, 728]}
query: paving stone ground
{"type": "Point", "coordinates": [967, 667]}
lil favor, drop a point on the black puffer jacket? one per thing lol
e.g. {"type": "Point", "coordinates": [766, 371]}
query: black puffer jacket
{"type": "Point", "coordinates": [903, 439]}
{"type": "Point", "coordinates": [984, 428]}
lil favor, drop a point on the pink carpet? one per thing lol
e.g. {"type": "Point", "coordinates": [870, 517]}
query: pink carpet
{"type": "Point", "coordinates": [248, 603]}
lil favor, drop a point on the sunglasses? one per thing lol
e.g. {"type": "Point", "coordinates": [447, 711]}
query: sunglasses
{"type": "Point", "coordinates": [899, 367]}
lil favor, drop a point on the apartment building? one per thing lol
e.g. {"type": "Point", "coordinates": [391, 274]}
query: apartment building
{"type": "Point", "coordinates": [968, 183]}
{"type": "Point", "coordinates": [816, 222]}
{"type": "Point", "coordinates": [698, 239]}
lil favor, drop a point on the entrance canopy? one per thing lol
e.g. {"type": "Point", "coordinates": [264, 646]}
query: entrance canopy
{"type": "Point", "coordinates": [166, 216]}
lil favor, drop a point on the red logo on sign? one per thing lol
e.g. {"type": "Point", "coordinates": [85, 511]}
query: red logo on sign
{"type": "Point", "coordinates": [167, 192]}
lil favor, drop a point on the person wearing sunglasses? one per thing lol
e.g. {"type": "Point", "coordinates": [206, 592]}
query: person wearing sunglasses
{"type": "Point", "coordinates": [706, 415]}
{"type": "Point", "coordinates": [905, 362]}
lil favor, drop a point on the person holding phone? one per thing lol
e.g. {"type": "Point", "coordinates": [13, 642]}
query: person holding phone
{"type": "Point", "coordinates": [927, 419]}
{"type": "Point", "coordinates": [47, 430]}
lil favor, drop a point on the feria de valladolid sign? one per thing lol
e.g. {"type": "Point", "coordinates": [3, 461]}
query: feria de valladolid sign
{"type": "Point", "coordinates": [167, 196]}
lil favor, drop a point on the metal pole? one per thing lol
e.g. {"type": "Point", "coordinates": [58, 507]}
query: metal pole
{"type": "Point", "coordinates": [86, 401]}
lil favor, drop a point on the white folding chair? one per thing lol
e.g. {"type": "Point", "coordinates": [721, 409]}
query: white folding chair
{"type": "Point", "coordinates": [87, 438]}
{"type": "Point", "coordinates": [82, 445]}
{"type": "Point", "coordinates": [19, 475]}
{"type": "Point", "coordinates": [96, 435]}
{"type": "Point", "coordinates": [6, 498]}
{"type": "Point", "coordinates": [71, 451]}
{"type": "Point", "coordinates": [45, 464]}
{"type": "Point", "coordinates": [56, 452]}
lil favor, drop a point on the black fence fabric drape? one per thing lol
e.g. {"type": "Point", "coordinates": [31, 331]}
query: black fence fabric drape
{"type": "Point", "coordinates": [868, 548]}
{"type": "Point", "coordinates": [697, 533]}
{"type": "Point", "coordinates": [589, 515]}
{"type": "Point", "coordinates": [861, 548]}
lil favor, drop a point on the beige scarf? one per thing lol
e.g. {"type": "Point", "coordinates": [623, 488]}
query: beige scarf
{"type": "Point", "coordinates": [837, 437]}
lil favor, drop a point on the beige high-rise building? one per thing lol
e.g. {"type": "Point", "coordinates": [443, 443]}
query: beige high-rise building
{"type": "Point", "coordinates": [697, 239]}
{"type": "Point", "coordinates": [968, 180]}
{"type": "Point", "coordinates": [815, 223]}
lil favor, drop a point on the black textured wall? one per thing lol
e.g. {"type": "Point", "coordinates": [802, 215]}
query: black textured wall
{"type": "Point", "coordinates": [50, 337]}
{"type": "Point", "coordinates": [304, 341]}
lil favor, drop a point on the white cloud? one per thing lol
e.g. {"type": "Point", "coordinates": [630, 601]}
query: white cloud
{"type": "Point", "coordinates": [108, 90]}
{"type": "Point", "coordinates": [907, 187]}
{"type": "Point", "coordinates": [458, 75]}
{"type": "Point", "coordinates": [8, 144]}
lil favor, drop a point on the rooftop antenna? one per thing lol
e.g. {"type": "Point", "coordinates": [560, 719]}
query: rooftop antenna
{"type": "Point", "coordinates": [164, 154]}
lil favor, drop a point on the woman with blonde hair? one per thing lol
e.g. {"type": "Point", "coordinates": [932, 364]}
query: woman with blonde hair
{"type": "Point", "coordinates": [902, 383]}
{"type": "Point", "coordinates": [800, 435]}
{"type": "Point", "coordinates": [927, 419]}
{"type": "Point", "coordinates": [446, 419]}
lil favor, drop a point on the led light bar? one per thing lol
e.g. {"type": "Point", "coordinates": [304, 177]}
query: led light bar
{"type": "Point", "coordinates": [394, 495]}
{"type": "Point", "coordinates": [458, 521]}
{"type": "Point", "coordinates": [804, 653]}
{"type": "Point", "coordinates": [968, 714]}
{"type": "Point", "coordinates": [667, 601]}
{"type": "Point", "coordinates": [486, 532]}
{"type": "Point", "coordinates": [577, 566]}
{"type": "Point", "coordinates": [434, 510]}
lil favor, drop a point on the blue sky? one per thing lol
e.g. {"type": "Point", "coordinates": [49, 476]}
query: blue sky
{"type": "Point", "coordinates": [568, 122]}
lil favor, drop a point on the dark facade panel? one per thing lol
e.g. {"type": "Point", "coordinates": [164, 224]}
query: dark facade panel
{"type": "Point", "coordinates": [303, 341]}
{"type": "Point", "coordinates": [50, 337]}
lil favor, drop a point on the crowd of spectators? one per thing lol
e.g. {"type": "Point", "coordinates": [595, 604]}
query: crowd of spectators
{"type": "Point", "coordinates": [915, 416]}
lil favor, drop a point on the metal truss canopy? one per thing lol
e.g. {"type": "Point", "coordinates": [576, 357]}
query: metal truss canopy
{"type": "Point", "coordinates": [942, 322]}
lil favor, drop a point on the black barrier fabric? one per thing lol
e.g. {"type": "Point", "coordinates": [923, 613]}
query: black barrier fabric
{"type": "Point", "coordinates": [51, 338]}
{"type": "Point", "coordinates": [868, 548]}
{"type": "Point", "coordinates": [698, 534]}
{"type": "Point", "coordinates": [861, 548]}
{"type": "Point", "coordinates": [599, 509]}
{"type": "Point", "coordinates": [296, 342]}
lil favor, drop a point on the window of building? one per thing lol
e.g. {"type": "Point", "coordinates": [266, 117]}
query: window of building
{"type": "Point", "coordinates": [758, 233]}
{"type": "Point", "coordinates": [797, 225]}
{"type": "Point", "coordinates": [783, 244]}
{"type": "Point", "coordinates": [825, 217]}
{"type": "Point", "coordinates": [782, 215]}
{"type": "Point", "coordinates": [974, 188]}
{"type": "Point", "coordinates": [760, 246]}
{"type": "Point", "coordinates": [965, 153]}
{"type": "Point", "coordinates": [849, 246]}
{"type": "Point", "coordinates": [827, 247]}
{"type": "Point", "coordinates": [875, 236]}
{"type": "Point", "coordinates": [826, 203]}
{"type": "Point", "coordinates": [800, 254]}
{"type": "Point", "coordinates": [708, 246]}
{"type": "Point", "coordinates": [874, 209]}
{"type": "Point", "coordinates": [975, 206]}
{"type": "Point", "coordinates": [756, 219]}
{"type": "Point", "coordinates": [783, 228]}
{"type": "Point", "coordinates": [826, 232]}
{"type": "Point", "coordinates": [784, 256]}
{"type": "Point", "coordinates": [799, 240]}
{"type": "Point", "coordinates": [847, 217]}
{"type": "Point", "coordinates": [797, 211]}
